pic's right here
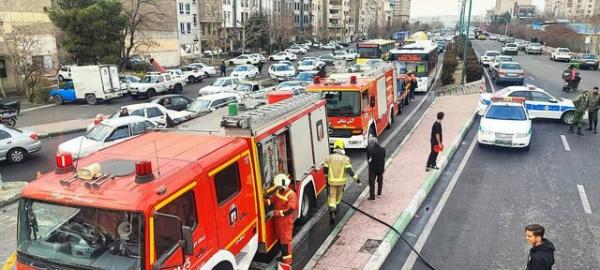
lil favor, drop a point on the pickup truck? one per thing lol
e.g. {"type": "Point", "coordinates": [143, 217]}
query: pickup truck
{"type": "Point", "coordinates": [157, 83]}
{"type": "Point", "coordinates": [255, 89]}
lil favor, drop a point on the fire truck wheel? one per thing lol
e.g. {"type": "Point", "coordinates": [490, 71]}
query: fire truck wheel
{"type": "Point", "coordinates": [223, 266]}
{"type": "Point", "coordinates": [308, 202]}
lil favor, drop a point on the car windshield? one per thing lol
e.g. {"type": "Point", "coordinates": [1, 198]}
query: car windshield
{"type": "Point", "coordinates": [282, 67]}
{"type": "Point", "coordinates": [589, 56]}
{"type": "Point", "coordinates": [133, 79]}
{"type": "Point", "coordinates": [99, 132]}
{"type": "Point", "coordinates": [307, 63]}
{"type": "Point", "coordinates": [241, 68]}
{"type": "Point", "coordinates": [305, 76]}
{"type": "Point", "coordinates": [326, 56]}
{"type": "Point", "coordinates": [492, 53]}
{"type": "Point", "coordinates": [149, 79]}
{"type": "Point", "coordinates": [78, 236]}
{"type": "Point", "coordinates": [511, 66]}
{"type": "Point", "coordinates": [506, 112]}
{"type": "Point", "coordinates": [535, 45]}
{"type": "Point", "coordinates": [198, 105]}
{"type": "Point", "coordinates": [244, 87]}
{"type": "Point", "coordinates": [219, 82]}
{"type": "Point", "coordinates": [343, 103]}
{"type": "Point", "coordinates": [504, 59]}
{"type": "Point", "coordinates": [511, 45]}
{"type": "Point", "coordinates": [564, 50]}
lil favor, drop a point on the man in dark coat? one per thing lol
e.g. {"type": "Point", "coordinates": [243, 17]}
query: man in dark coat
{"type": "Point", "coordinates": [376, 159]}
{"type": "Point", "coordinates": [541, 255]}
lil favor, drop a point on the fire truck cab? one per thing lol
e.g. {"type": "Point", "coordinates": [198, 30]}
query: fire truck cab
{"type": "Point", "coordinates": [177, 199]}
{"type": "Point", "coordinates": [360, 104]}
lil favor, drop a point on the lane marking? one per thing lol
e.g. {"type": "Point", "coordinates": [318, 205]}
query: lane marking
{"type": "Point", "coordinates": [584, 200]}
{"type": "Point", "coordinates": [531, 78]}
{"type": "Point", "coordinates": [563, 138]}
{"type": "Point", "coordinates": [489, 80]}
{"type": "Point", "coordinates": [412, 258]}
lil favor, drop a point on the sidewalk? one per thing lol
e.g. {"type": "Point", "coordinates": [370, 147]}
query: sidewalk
{"type": "Point", "coordinates": [362, 243]}
{"type": "Point", "coordinates": [60, 128]}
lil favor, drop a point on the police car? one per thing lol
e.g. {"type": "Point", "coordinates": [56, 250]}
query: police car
{"type": "Point", "coordinates": [505, 123]}
{"type": "Point", "coordinates": [538, 102]}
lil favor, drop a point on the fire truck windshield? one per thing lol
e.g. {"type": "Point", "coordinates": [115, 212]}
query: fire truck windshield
{"type": "Point", "coordinates": [57, 236]}
{"type": "Point", "coordinates": [343, 103]}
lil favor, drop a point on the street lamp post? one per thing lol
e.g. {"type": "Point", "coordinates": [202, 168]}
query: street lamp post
{"type": "Point", "coordinates": [506, 26]}
{"type": "Point", "coordinates": [465, 44]}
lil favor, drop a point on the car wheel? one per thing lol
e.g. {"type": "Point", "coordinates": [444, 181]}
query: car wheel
{"type": "Point", "coordinates": [206, 74]}
{"type": "Point", "coordinates": [178, 89]}
{"type": "Point", "coordinates": [60, 78]}
{"type": "Point", "coordinates": [271, 59]}
{"type": "Point", "coordinates": [192, 79]}
{"type": "Point", "coordinates": [287, 59]}
{"type": "Point", "coordinates": [16, 155]}
{"type": "Point", "coordinates": [568, 118]}
{"type": "Point", "coordinates": [151, 93]}
{"type": "Point", "coordinates": [10, 122]}
{"type": "Point", "coordinates": [231, 63]}
{"type": "Point", "coordinates": [90, 99]}
{"type": "Point", "coordinates": [58, 100]}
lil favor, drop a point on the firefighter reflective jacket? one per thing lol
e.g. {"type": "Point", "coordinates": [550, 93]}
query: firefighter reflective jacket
{"type": "Point", "coordinates": [337, 167]}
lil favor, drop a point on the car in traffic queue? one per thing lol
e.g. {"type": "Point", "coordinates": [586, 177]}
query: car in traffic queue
{"type": "Point", "coordinates": [245, 72]}
{"type": "Point", "coordinates": [220, 85]}
{"type": "Point", "coordinates": [105, 134]}
{"type": "Point", "coordinates": [307, 76]}
{"type": "Point", "coordinates": [534, 48]}
{"type": "Point", "coordinates": [193, 74]}
{"type": "Point", "coordinates": [510, 48]}
{"type": "Point", "coordinates": [523, 45]}
{"type": "Point", "coordinates": [204, 68]}
{"type": "Point", "coordinates": [505, 123]}
{"type": "Point", "coordinates": [307, 65]}
{"type": "Point", "coordinates": [173, 102]}
{"type": "Point", "coordinates": [206, 104]}
{"type": "Point", "coordinates": [327, 59]}
{"type": "Point", "coordinates": [243, 59]}
{"type": "Point", "coordinates": [498, 59]}
{"type": "Point", "coordinates": [328, 47]}
{"type": "Point", "coordinates": [260, 57]}
{"type": "Point", "coordinates": [561, 54]}
{"type": "Point", "coordinates": [343, 55]}
{"type": "Point", "coordinates": [488, 57]}
{"type": "Point", "coordinates": [16, 144]}
{"type": "Point", "coordinates": [286, 62]}
{"type": "Point", "coordinates": [282, 72]}
{"type": "Point", "coordinates": [482, 37]}
{"type": "Point", "coordinates": [502, 39]}
{"type": "Point", "coordinates": [493, 37]}
{"type": "Point", "coordinates": [280, 56]}
{"type": "Point", "coordinates": [586, 61]}
{"type": "Point", "coordinates": [508, 72]}
{"type": "Point", "coordinates": [296, 50]}
{"type": "Point", "coordinates": [539, 103]}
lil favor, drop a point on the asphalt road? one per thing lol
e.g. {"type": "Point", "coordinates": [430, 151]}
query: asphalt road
{"type": "Point", "coordinates": [500, 191]}
{"type": "Point", "coordinates": [84, 111]}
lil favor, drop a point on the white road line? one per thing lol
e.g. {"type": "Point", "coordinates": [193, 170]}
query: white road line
{"type": "Point", "coordinates": [531, 78]}
{"type": "Point", "coordinates": [584, 200]}
{"type": "Point", "coordinates": [410, 261]}
{"type": "Point", "coordinates": [489, 80]}
{"type": "Point", "coordinates": [563, 138]}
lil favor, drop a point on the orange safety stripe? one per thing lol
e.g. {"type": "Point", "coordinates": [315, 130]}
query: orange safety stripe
{"type": "Point", "coordinates": [287, 257]}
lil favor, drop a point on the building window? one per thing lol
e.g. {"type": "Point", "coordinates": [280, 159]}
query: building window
{"type": "Point", "coordinates": [189, 28]}
{"type": "Point", "coordinates": [182, 28]}
{"type": "Point", "coordinates": [203, 29]}
{"type": "Point", "coordinates": [180, 8]}
{"type": "Point", "coordinates": [195, 20]}
{"type": "Point", "coordinates": [187, 8]}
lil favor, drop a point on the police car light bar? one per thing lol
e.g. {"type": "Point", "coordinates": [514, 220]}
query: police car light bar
{"type": "Point", "coordinates": [509, 99]}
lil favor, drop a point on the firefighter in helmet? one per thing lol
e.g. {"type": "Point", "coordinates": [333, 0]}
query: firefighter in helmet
{"type": "Point", "coordinates": [284, 202]}
{"type": "Point", "coordinates": [337, 167]}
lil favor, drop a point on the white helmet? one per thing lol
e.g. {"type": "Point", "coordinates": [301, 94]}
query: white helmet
{"type": "Point", "coordinates": [282, 180]}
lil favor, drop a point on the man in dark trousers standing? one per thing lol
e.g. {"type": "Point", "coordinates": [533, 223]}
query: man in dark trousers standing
{"type": "Point", "coordinates": [223, 68]}
{"type": "Point", "coordinates": [541, 255]}
{"type": "Point", "coordinates": [376, 159]}
{"type": "Point", "coordinates": [436, 143]}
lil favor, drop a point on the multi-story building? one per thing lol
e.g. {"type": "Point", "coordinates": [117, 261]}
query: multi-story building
{"type": "Point", "coordinates": [504, 6]}
{"type": "Point", "coordinates": [316, 17]}
{"type": "Point", "coordinates": [573, 9]}
{"type": "Point", "coordinates": [400, 11]}
{"type": "Point", "coordinates": [210, 16]}
{"type": "Point", "coordinates": [337, 18]}
{"type": "Point", "coordinates": [189, 27]}
{"type": "Point", "coordinates": [302, 9]}
{"type": "Point", "coordinates": [26, 18]}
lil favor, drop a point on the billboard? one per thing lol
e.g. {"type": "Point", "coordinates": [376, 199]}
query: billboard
{"type": "Point", "coordinates": [525, 12]}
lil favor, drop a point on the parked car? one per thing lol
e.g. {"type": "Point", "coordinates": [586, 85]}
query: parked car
{"type": "Point", "coordinates": [308, 76]}
{"type": "Point", "coordinates": [296, 50]}
{"type": "Point", "coordinates": [15, 144]}
{"type": "Point", "coordinates": [510, 48]}
{"type": "Point", "coordinates": [493, 37]}
{"type": "Point", "coordinates": [291, 85]}
{"type": "Point", "coordinates": [245, 71]}
{"type": "Point", "coordinates": [327, 58]}
{"type": "Point", "coordinates": [64, 73]}
{"type": "Point", "coordinates": [282, 72]}
{"type": "Point", "coordinates": [138, 63]}
{"type": "Point", "coordinates": [307, 65]}
{"type": "Point", "coordinates": [534, 48]}
{"type": "Point", "coordinates": [156, 83]}
{"type": "Point", "coordinates": [585, 61]}
{"type": "Point", "coordinates": [204, 68]}
{"type": "Point", "coordinates": [105, 134]}
{"type": "Point", "coordinates": [173, 102]}
{"type": "Point", "coordinates": [154, 112]}
{"type": "Point", "coordinates": [260, 57]}
{"type": "Point", "coordinates": [209, 103]}
{"type": "Point", "coordinates": [235, 52]}
{"type": "Point", "coordinates": [488, 57]}
{"type": "Point", "coordinates": [328, 47]}
{"type": "Point", "coordinates": [285, 62]}
{"type": "Point", "coordinates": [243, 59]}
{"type": "Point", "coordinates": [219, 85]}
{"type": "Point", "coordinates": [560, 54]}
{"type": "Point", "coordinates": [283, 56]}
{"type": "Point", "coordinates": [212, 52]}
{"type": "Point", "coordinates": [193, 74]}
{"type": "Point", "coordinates": [508, 72]}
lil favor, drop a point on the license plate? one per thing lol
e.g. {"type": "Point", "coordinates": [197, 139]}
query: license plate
{"type": "Point", "coordinates": [591, 62]}
{"type": "Point", "coordinates": [504, 142]}
{"type": "Point", "coordinates": [511, 75]}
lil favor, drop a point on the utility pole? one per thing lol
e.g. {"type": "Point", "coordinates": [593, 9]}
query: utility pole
{"type": "Point", "coordinates": [462, 15]}
{"type": "Point", "coordinates": [466, 44]}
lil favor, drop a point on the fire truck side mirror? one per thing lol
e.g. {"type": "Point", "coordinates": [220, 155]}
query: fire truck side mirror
{"type": "Point", "coordinates": [372, 102]}
{"type": "Point", "coordinates": [188, 240]}
{"type": "Point", "coordinates": [176, 257]}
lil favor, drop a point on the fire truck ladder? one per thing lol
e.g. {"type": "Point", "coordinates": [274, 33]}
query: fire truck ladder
{"type": "Point", "coordinates": [255, 119]}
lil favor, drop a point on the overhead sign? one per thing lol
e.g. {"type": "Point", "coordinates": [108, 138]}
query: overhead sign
{"type": "Point", "coordinates": [409, 57]}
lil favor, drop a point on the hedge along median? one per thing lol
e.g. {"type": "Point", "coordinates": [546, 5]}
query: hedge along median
{"type": "Point", "coordinates": [454, 53]}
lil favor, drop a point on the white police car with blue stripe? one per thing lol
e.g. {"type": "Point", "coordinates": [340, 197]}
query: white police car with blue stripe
{"type": "Point", "coordinates": [505, 123]}
{"type": "Point", "coordinates": [539, 103]}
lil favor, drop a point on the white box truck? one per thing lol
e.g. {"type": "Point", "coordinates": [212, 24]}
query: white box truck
{"type": "Point", "coordinates": [91, 83]}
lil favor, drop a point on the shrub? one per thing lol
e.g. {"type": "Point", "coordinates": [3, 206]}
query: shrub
{"type": "Point", "coordinates": [41, 95]}
{"type": "Point", "coordinates": [449, 67]}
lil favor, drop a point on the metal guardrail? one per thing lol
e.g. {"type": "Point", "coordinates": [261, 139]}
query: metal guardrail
{"type": "Point", "coordinates": [468, 88]}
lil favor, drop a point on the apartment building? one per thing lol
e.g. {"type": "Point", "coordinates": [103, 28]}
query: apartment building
{"type": "Point", "coordinates": [337, 19]}
{"type": "Point", "coordinates": [400, 11]}
{"type": "Point", "coordinates": [574, 9]}
{"type": "Point", "coordinates": [210, 16]}
{"type": "Point", "coordinates": [504, 6]}
{"type": "Point", "coordinates": [188, 27]}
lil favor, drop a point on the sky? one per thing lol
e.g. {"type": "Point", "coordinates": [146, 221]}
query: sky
{"type": "Point", "coordinates": [421, 8]}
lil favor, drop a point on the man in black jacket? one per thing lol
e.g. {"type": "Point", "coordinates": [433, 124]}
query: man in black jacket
{"type": "Point", "coordinates": [435, 140]}
{"type": "Point", "coordinates": [376, 159]}
{"type": "Point", "coordinates": [541, 255]}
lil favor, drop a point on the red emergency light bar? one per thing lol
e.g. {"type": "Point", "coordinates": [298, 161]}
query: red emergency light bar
{"type": "Point", "coordinates": [64, 163]}
{"type": "Point", "coordinates": [317, 80]}
{"type": "Point", "coordinates": [353, 79]}
{"type": "Point", "coordinates": [143, 171]}
{"type": "Point", "coordinates": [509, 99]}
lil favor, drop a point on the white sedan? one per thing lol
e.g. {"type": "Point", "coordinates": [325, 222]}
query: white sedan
{"type": "Point", "coordinates": [105, 134]}
{"type": "Point", "coordinates": [206, 69]}
{"type": "Point", "coordinates": [307, 65]}
{"type": "Point", "coordinates": [155, 113]}
{"type": "Point", "coordinates": [296, 50]}
{"type": "Point", "coordinates": [282, 72]}
{"type": "Point", "coordinates": [506, 123]}
{"type": "Point", "coordinates": [488, 57]}
{"type": "Point", "coordinates": [280, 56]}
{"type": "Point", "coordinates": [328, 47]}
{"type": "Point", "coordinates": [561, 54]}
{"type": "Point", "coordinates": [243, 59]}
{"type": "Point", "coordinates": [245, 71]}
{"type": "Point", "coordinates": [220, 85]}
{"type": "Point", "coordinates": [539, 103]}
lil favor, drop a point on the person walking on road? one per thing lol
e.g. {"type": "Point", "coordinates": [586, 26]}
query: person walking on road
{"type": "Point", "coordinates": [284, 201]}
{"type": "Point", "coordinates": [260, 66]}
{"type": "Point", "coordinates": [337, 168]}
{"type": "Point", "coordinates": [541, 255]}
{"type": "Point", "coordinates": [593, 107]}
{"type": "Point", "coordinates": [581, 105]}
{"type": "Point", "coordinates": [223, 68]}
{"type": "Point", "coordinates": [413, 85]}
{"type": "Point", "coordinates": [376, 159]}
{"type": "Point", "coordinates": [436, 143]}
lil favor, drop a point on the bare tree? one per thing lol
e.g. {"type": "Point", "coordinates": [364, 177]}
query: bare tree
{"type": "Point", "coordinates": [22, 44]}
{"type": "Point", "coordinates": [141, 14]}
{"type": "Point", "coordinates": [282, 26]}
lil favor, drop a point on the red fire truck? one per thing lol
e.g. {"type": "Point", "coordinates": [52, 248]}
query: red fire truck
{"type": "Point", "coordinates": [177, 199]}
{"type": "Point", "coordinates": [359, 104]}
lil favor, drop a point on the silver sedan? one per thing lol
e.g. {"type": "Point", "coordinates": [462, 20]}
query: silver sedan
{"type": "Point", "coordinates": [15, 144]}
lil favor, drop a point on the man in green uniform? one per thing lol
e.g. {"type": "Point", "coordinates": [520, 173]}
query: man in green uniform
{"type": "Point", "coordinates": [593, 107]}
{"type": "Point", "coordinates": [581, 105]}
